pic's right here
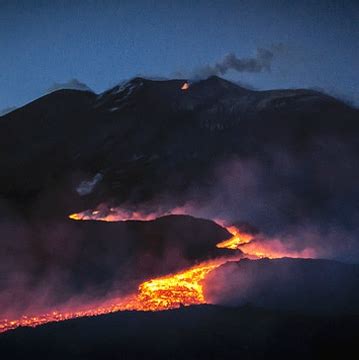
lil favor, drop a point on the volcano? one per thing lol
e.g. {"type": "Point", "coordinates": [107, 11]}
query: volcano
{"type": "Point", "coordinates": [144, 139]}
{"type": "Point", "coordinates": [148, 197]}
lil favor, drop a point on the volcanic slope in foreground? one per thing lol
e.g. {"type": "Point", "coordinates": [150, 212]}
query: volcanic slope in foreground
{"type": "Point", "coordinates": [199, 332]}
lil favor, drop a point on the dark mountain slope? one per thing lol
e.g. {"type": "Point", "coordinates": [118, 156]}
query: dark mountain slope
{"type": "Point", "coordinates": [39, 141]}
{"type": "Point", "coordinates": [148, 137]}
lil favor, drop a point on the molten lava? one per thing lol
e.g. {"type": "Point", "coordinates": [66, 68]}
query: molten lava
{"type": "Point", "coordinates": [168, 292]}
{"type": "Point", "coordinates": [185, 86]}
{"type": "Point", "coordinates": [238, 238]}
{"type": "Point", "coordinates": [241, 240]}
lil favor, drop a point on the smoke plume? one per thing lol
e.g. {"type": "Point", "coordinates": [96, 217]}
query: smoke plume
{"type": "Point", "coordinates": [261, 62]}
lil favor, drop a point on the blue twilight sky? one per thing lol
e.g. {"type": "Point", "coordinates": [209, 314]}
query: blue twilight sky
{"type": "Point", "coordinates": [100, 43]}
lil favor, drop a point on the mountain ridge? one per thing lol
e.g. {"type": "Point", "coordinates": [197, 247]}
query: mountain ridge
{"type": "Point", "coordinates": [212, 80]}
{"type": "Point", "coordinates": [135, 133]}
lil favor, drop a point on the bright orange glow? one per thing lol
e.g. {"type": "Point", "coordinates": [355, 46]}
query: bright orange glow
{"type": "Point", "coordinates": [266, 248]}
{"type": "Point", "coordinates": [238, 238]}
{"type": "Point", "coordinates": [168, 292]}
{"type": "Point", "coordinates": [185, 86]}
{"type": "Point", "coordinates": [247, 243]}
{"type": "Point", "coordinates": [274, 249]}
{"type": "Point", "coordinates": [103, 213]}
{"type": "Point", "coordinates": [172, 291]}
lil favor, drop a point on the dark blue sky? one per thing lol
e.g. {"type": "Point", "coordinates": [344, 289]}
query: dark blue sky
{"type": "Point", "coordinates": [103, 42]}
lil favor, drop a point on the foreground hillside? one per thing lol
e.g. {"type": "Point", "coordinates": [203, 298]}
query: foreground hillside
{"type": "Point", "coordinates": [201, 332]}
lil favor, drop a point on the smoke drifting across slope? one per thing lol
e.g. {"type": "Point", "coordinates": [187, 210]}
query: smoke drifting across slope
{"type": "Point", "coordinates": [293, 211]}
{"type": "Point", "coordinates": [301, 285]}
{"type": "Point", "coordinates": [299, 206]}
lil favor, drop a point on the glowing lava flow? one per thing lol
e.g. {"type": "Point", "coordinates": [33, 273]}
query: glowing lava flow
{"type": "Point", "coordinates": [167, 292]}
{"type": "Point", "coordinates": [238, 238]}
{"type": "Point", "coordinates": [118, 214]}
{"type": "Point", "coordinates": [185, 86]}
{"type": "Point", "coordinates": [181, 289]}
{"type": "Point", "coordinates": [246, 242]}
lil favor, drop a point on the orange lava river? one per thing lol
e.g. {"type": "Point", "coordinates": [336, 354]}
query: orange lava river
{"type": "Point", "coordinates": [168, 292]}
{"type": "Point", "coordinates": [163, 293]}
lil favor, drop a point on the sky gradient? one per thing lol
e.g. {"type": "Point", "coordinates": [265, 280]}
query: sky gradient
{"type": "Point", "coordinates": [104, 42]}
